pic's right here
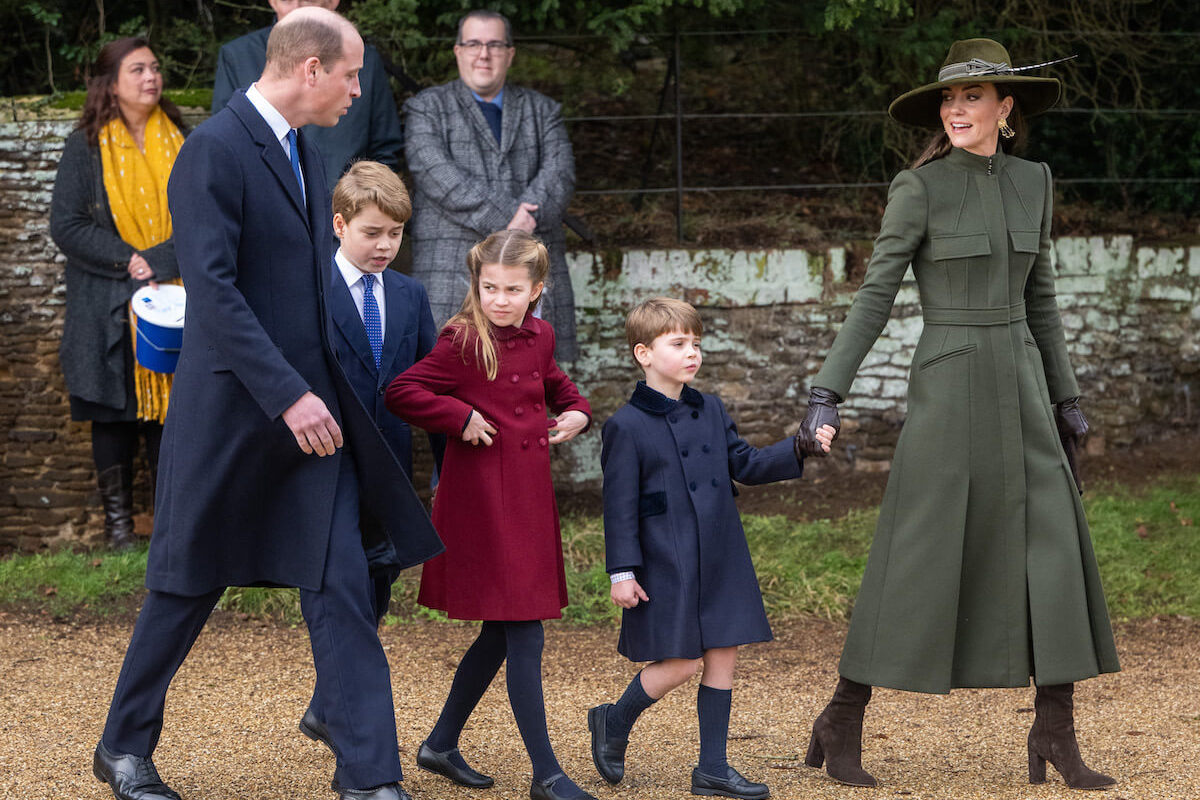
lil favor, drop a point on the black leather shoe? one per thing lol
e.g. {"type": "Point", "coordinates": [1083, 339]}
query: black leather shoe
{"type": "Point", "coordinates": [389, 791]}
{"type": "Point", "coordinates": [608, 752]}
{"type": "Point", "coordinates": [130, 777]}
{"type": "Point", "coordinates": [314, 729]}
{"type": "Point", "coordinates": [731, 784]}
{"type": "Point", "coordinates": [544, 790]}
{"type": "Point", "coordinates": [430, 760]}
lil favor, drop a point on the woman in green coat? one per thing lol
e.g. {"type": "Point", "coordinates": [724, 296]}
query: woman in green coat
{"type": "Point", "coordinates": [982, 572]}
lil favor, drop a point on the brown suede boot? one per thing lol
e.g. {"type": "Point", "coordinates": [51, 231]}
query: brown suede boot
{"type": "Point", "coordinates": [837, 735]}
{"type": "Point", "coordinates": [1052, 738]}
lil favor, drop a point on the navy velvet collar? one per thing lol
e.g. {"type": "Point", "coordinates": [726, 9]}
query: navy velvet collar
{"type": "Point", "coordinates": [655, 402]}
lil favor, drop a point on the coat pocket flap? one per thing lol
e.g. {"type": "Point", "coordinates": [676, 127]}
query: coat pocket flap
{"type": "Point", "coordinates": [960, 245]}
{"type": "Point", "coordinates": [1025, 241]}
{"type": "Point", "coordinates": [652, 503]}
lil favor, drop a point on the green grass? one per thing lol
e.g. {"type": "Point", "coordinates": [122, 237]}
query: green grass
{"type": "Point", "coordinates": [1147, 543]}
{"type": "Point", "coordinates": [63, 582]}
{"type": "Point", "coordinates": [1148, 546]}
{"type": "Point", "coordinates": [187, 98]}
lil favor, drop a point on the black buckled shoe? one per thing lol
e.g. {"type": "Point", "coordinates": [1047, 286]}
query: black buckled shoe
{"type": "Point", "coordinates": [544, 790]}
{"type": "Point", "coordinates": [608, 752]}
{"type": "Point", "coordinates": [431, 760]}
{"type": "Point", "coordinates": [731, 784]}
{"type": "Point", "coordinates": [314, 729]}
{"type": "Point", "coordinates": [388, 791]}
{"type": "Point", "coordinates": [130, 777]}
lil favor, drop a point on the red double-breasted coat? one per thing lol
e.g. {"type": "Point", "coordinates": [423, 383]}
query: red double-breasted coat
{"type": "Point", "coordinates": [495, 507]}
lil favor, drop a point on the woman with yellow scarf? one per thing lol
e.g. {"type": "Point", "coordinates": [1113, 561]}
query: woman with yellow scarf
{"type": "Point", "coordinates": [109, 217]}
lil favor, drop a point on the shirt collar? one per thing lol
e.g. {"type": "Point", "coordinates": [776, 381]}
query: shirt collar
{"type": "Point", "coordinates": [279, 125]}
{"type": "Point", "coordinates": [655, 402]}
{"type": "Point", "coordinates": [497, 101]}
{"type": "Point", "coordinates": [350, 273]}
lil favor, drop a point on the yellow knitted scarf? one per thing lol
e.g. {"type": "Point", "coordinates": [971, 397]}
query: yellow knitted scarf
{"type": "Point", "coordinates": [136, 184]}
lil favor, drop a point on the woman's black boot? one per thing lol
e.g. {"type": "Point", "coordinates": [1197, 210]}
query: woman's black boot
{"type": "Point", "coordinates": [116, 496]}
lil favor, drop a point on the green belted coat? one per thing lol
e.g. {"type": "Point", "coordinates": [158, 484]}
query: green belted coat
{"type": "Point", "coordinates": [982, 572]}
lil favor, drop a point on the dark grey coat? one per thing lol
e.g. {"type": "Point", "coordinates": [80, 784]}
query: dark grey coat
{"type": "Point", "coordinates": [670, 516]}
{"type": "Point", "coordinates": [466, 186]}
{"type": "Point", "coordinates": [98, 284]}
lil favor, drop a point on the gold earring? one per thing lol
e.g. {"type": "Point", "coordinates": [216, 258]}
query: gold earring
{"type": "Point", "coordinates": [1006, 130]}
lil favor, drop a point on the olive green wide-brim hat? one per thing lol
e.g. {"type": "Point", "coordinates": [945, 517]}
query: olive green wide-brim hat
{"type": "Point", "coordinates": [975, 61]}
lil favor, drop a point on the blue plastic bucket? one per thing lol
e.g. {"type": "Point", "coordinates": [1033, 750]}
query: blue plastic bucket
{"type": "Point", "coordinates": [159, 313]}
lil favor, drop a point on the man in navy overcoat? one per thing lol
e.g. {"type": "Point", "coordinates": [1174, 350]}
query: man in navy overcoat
{"type": "Point", "coordinates": [370, 129]}
{"type": "Point", "coordinates": [255, 486]}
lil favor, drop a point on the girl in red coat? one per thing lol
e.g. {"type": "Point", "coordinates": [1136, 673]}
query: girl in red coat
{"type": "Point", "coordinates": [488, 384]}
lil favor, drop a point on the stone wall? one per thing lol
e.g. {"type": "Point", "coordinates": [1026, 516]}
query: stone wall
{"type": "Point", "coordinates": [1132, 312]}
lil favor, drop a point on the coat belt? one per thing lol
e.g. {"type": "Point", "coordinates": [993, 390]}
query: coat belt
{"type": "Point", "coordinates": [975, 316]}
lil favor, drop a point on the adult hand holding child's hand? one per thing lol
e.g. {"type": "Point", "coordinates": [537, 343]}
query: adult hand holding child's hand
{"type": "Point", "coordinates": [822, 413]}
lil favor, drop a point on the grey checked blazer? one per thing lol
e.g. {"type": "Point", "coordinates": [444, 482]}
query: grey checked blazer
{"type": "Point", "coordinates": [465, 186]}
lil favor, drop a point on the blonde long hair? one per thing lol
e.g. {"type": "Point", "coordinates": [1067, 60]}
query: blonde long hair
{"type": "Point", "coordinates": [509, 248]}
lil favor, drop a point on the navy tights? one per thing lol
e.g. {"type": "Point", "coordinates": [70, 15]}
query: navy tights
{"type": "Point", "coordinates": [520, 644]}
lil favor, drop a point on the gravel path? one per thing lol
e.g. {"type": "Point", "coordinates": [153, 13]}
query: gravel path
{"type": "Point", "coordinates": [231, 717]}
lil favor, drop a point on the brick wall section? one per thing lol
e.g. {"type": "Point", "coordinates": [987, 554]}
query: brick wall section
{"type": "Point", "coordinates": [45, 460]}
{"type": "Point", "coordinates": [1132, 312]}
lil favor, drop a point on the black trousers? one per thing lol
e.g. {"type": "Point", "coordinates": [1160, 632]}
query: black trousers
{"type": "Point", "coordinates": [352, 669]}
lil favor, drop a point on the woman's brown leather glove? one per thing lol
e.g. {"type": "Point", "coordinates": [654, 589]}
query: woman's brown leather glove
{"type": "Point", "coordinates": [1072, 432]}
{"type": "Point", "coordinates": [822, 410]}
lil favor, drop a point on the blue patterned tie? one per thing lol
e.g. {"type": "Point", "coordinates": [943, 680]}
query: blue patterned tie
{"type": "Point", "coordinates": [294, 147]}
{"type": "Point", "coordinates": [371, 318]}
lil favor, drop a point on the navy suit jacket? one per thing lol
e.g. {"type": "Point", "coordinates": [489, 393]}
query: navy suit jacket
{"type": "Point", "coordinates": [238, 502]}
{"type": "Point", "coordinates": [371, 128]}
{"type": "Point", "coordinates": [408, 337]}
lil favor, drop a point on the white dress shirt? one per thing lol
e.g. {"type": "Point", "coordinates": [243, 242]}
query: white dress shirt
{"type": "Point", "coordinates": [279, 125]}
{"type": "Point", "coordinates": [353, 277]}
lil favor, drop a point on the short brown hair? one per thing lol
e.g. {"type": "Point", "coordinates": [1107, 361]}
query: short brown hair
{"type": "Point", "coordinates": [299, 37]}
{"type": "Point", "coordinates": [652, 318]}
{"type": "Point", "coordinates": [486, 13]}
{"type": "Point", "coordinates": [371, 183]}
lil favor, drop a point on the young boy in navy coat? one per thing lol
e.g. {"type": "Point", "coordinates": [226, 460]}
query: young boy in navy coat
{"type": "Point", "coordinates": [675, 549]}
{"type": "Point", "coordinates": [377, 334]}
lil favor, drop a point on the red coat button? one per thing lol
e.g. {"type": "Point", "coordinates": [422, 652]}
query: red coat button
{"type": "Point", "coordinates": [519, 410]}
{"type": "Point", "coordinates": [511, 344]}
{"type": "Point", "coordinates": [537, 406]}
{"type": "Point", "coordinates": [536, 374]}
{"type": "Point", "coordinates": [530, 342]}
{"type": "Point", "coordinates": [515, 378]}
{"type": "Point", "coordinates": [524, 444]}
{"type": "Point", "coordinates": [542, 441]}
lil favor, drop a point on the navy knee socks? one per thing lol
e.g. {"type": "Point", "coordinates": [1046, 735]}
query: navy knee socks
{"type": "Point", "coordinates": [712, 707]}
{"type": "Point", "coordinates": [626, 710]}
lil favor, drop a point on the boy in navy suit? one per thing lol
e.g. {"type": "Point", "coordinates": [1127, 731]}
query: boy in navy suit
{"type": "Point", "coordinates": [382, 326]}
{"type": "Point", "coordinates": [675, 549]}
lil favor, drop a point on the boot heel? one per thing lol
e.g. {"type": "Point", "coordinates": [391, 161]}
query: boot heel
{"type": "Point", "coordinates": [815, 756]}
{"type": "Point", "coordinates": [1037, 767]}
